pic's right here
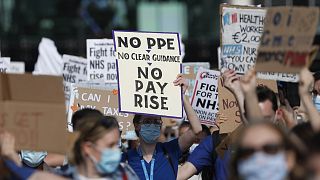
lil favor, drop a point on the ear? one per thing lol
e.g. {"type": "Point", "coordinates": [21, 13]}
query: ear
{"type": "Point", "coordinates": [86, 148]}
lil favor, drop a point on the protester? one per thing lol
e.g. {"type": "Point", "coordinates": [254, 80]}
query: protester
{"type": "Point", "coordinates": [155, 160]}
{"type": "Point", "coordinates": [264, 151]}
{"type": "Point", "coordinates": [11, 166]}
{"type": "Point", "coordinates": [96, 153]}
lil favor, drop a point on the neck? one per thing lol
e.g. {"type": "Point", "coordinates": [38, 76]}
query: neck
{"type": "Point", "coordinates": [88, 170]}
{"type": "Point", "coordinates": [147, 149]}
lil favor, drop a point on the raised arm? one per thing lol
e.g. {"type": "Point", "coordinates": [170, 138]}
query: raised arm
{"type": "Point", "coordinates": [248, 86]}
{"type": "Point", "coordinates": [231, 81]}
{"type": "Point", "coordinates": [305, 87]}
{"type": "Point", "coordinates": [187, 139]}
{"type": "Point", "coordinates": [186, 171]}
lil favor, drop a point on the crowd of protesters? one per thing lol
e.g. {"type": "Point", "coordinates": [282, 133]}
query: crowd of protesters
{"type": "Point", "coordinates": [271, 143]}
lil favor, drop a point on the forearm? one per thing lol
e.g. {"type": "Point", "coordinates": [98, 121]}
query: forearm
{"type": "Point", "coordinates": [311, 111]}
{"type": "Point", "coordinates": [186, 171]}
{"type": "Point", "coordinates": [240, 100]}
{"type": "Point", "coordinates": [192, 116]}
{"type": "Point", "coordinates": [252, 109]}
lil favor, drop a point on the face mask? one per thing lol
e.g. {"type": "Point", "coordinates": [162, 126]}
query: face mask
{"type": "Point", "coordinates": [150, 132]}
{"type": "Point", "coordinates": [316, 102]}
{"type": "Point", "coordinates": [32, 158]}
{"type": "Point", "coordinates": [191, 149]}
{"type": "Point", "coordinates": [109, 162]}
{"type": "Point", "coordinates": [263, 166]}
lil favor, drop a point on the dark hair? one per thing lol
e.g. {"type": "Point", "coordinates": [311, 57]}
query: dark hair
{"type": "Point", "coordinates": [137, 118]}
{"type": "Point", "coordinates": [304, 132]}
{"type": "Point", "coordinates": [92, 130]}
{"type": "Point", "coordinates": [83, 114]}
{"type": "Point", "coordinates": [205, 129]}
{"type": "Point", "coordinates": [264, 93]}
{"type": "Point", "coordinates": [314, 147]}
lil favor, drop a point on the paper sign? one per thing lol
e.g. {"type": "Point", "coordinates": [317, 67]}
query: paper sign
{"type": "Point", "coordinates": [229, 108]}
{"type": "Point", "coordinates": [101, 60]}
{"type": "Point", "coordinates": [205, 96]}
{"type": "Point", "coordinates": [32, 109]}
{"type": "Point", "coordinates": [147, 64]}
{"type": "Point", "coordinates": [74, 71]}
{"type": "Point", "coordinates": [4, 64]}
{"type": "Point", "coordinates": [287, 40]}
{"type": "Point", "coordinates": [17, 67]}
{"type": "Point", "coordinates": [101, 99]}
{"type": "Point", "coordinates": [190, 71]}
{"type": "Point", "coordinates": [241, 30]}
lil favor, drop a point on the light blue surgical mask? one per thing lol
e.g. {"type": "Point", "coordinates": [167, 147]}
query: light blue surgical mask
{"type": "Point", "coordinates": [109, 162]}
{"type": "Point", "coordinates": [264, 166]}
{"type": "Point", "coordinates": [32, 158]}
{"type": "Point", "coordinates": [316, 102]}
{"type": "Point", "coordinates": [150, 133]}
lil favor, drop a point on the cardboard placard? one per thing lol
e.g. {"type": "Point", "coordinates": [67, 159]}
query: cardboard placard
{"type": "Point", "coordinates": [74, 71]}
{"type": "Point", "coordinates": [4, 64]}
{"type": "Point", "coordinates": [101, 99]}
{"type": "Point", "coordinates": [34, 112]}
{"type": "Point", "coordinates": [101, 60]}
{"type": "Point", "coordinates": [190, 71]}
{"type": "Point", "coordinates": [229, 108]}
{"type": "Point", "coordinates": [205, 96]}
{"type": "Point", "coordinates": [241, 33]}
{"type": "Point", "coordinates": [147, 65]}
{"type": "Point", "coordinates": [241, 30]}
{"type": "Point", "coordinates": [287, 40]}
{"type": "Point", "coordinates": [17, 67]}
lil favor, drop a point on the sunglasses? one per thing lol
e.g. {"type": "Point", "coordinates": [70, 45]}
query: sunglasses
{"type": "Point", "coordinates": [271, 149]}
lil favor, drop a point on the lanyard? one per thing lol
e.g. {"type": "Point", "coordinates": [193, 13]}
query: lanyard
{"type": "Point", "coordinates": [146, 175]}
{"type": "Point", "coordinates": [145, 169]}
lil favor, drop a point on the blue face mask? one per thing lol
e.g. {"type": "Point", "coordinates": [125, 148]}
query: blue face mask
{"type": "Point", "coordinates": [150, 132]}
{"type": "Point", "coordinates": [316, 102]}
{"type": "Point", "coordinates": [32, 158]}
{"type": "Point", "coordinates": [263, 166]}
{"type": "Point", "coordinates": [109, 162]}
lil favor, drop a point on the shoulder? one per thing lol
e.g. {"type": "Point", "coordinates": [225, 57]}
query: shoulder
{"type": "Point", "coordinates": [172, 143]}
{"type": "Point", "coordinates": [129, 171]}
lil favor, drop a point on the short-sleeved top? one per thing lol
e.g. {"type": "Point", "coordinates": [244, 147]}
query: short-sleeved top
{"type": "Point", "coordinates": [162, 167]}
{"type": "Point", "coordinates": [202, 157]}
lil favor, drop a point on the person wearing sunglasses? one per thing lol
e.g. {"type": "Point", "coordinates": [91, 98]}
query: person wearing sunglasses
{"type": "Point", "coordinates": [153, 160]}
{"type": "Point", "coordinates": [264, 151]}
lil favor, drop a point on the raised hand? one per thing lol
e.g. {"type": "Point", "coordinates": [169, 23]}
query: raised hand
{"type": "Point", "coordinates": [181, 81]}
{"type": "Point", "coordinates": [306, 82]}
{"type": "Point", "coordinates": [249, 81]}
{"type": "Point", "coordinates": [231, 81]}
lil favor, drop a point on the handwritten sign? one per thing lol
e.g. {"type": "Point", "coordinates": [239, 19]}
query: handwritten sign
{"type": "Point", "coordinates": [101, 99]}
{"type": "Point", "coordinates": [4, 64]}
{"type": "Point", "coordinates": [228, 105]}
{"type": "Point", "coordinates": [74, 71]}
{"type": "Point", "coordinates": [205, 96]}
{"type": "Point", "coordinates": [287, 40]}
{"type": "Point", "coordinates": [241, 30]}
{"type": "Point", "coordinates": [147, 64]}
{"type": "Point", "coordinates": [101, 60]}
